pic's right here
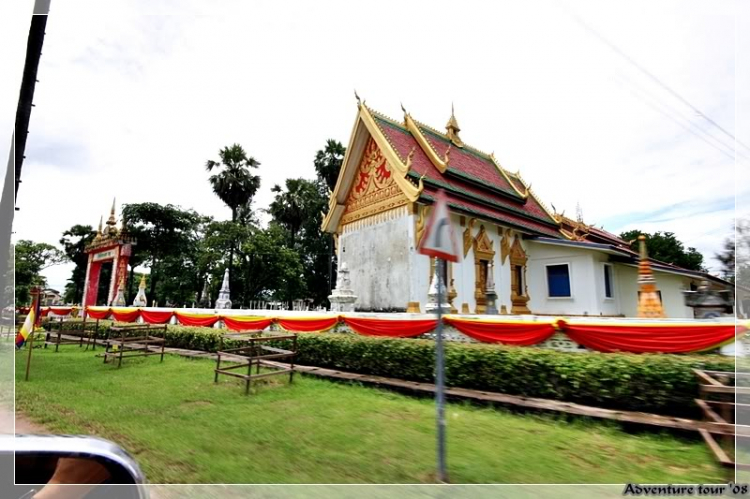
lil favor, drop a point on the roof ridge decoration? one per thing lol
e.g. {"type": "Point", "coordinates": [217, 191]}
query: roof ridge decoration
{"type": "Point", "coordinates": [453, 129]}
{"type": "Point", "coordinates": [441, 163]}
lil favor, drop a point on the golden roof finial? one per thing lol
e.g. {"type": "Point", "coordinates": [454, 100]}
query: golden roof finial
{"type": "Point", "coordinates": [101, 221]}
{"type": "Point", "coordinates": [359, 101]}
{"type": "Point", "coordinates": [142, 285]}
{"type": "Point", "coordinates": [453, 129]}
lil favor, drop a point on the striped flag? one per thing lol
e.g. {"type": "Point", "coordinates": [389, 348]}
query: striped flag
{"type": "Point", "coordinates": [29, 324]}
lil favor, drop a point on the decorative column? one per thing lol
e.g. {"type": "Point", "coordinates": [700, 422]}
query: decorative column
{"type": "Point", "coordinates": [140, 298]}
{"type": "Point", "coordinates": [343, 297]}
{"type": "Point", "coordinates": [223, 302]}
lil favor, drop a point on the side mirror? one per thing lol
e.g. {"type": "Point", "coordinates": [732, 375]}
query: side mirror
{"type": "Point", "coordinates": [70, 467]}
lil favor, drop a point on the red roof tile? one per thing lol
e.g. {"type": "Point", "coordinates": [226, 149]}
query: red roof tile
{"type": "Point", "coordinates": [508, 206]}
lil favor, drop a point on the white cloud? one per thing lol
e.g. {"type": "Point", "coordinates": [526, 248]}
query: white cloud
{"type": "Point", "coordinates": [133, 105]}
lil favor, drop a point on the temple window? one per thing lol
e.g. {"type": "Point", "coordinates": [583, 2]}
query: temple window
{"type": "Point", "coordinates": [608, 281]}
{"type": "Point", "coordinates": [558, 281]}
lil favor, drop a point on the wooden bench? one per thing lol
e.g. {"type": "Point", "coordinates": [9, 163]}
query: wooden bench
{"type": "Point", "coordinates": [138, 340]}
{"type": "Point", "coordinates": [67, 332]}
{"type": "Point", "coordinates": [255, 353]}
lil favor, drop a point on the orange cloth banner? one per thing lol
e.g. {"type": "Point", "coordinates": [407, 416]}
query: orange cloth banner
{"type": "Point", "coordinates": [197, 320]}
{"type": "Point", "coordinates": [393, 328]}
{"type": "Point", "coordinates": [509, 333]}
{"type": "Point", "coordinates": [651, 338]}
{"type": "Point", "coordinates": [307, 325]}
{"type": "Point", "coordinates": [247, 323]}
{"type": "Point", "coordinates": [153, 317]}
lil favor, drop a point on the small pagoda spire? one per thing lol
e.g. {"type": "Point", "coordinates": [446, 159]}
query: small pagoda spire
{"type": "Point", "coordinates": [649, 301]}
{"type": "Point", "coordinates": [111, 221]}
{"type": "Point", "coordinates": [453, 129]}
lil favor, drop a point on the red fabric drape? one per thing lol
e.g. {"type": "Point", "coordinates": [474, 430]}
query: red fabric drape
{"type": "Point", "coordinates": [43, 312]}
{"type": "Point", "coordinates": [97, 314]}
{"type": "Point", "coordinates": [661, 338]}
{"type": "Point", "coordinates": [196, 319]}
{"type": "Point", "coordinates": [153, 317]}
{"type": "Point", "coordinates": [392, 328]}
{"type": "Point", "coordinates": [125, 315]}
{"type": "Point", "coordinates": [247, 323]}
{"type": "Point", "coordinates": [61, 310]}
{"type": "Point", "coordinates": [307, 325]}
{"type": "Point", "coordinates": [509, 333]}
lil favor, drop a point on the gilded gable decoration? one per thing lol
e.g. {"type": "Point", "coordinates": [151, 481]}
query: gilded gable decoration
{"type": "Point", "coordinates": [374, 189]}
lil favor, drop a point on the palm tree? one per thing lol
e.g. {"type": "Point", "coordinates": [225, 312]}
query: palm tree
{"type": "Point", "coordinates": [290, 208]}
{"type": "Point", "coordinates": [234, 184]}
{"type": "Point", "coordinates": [328, 162]}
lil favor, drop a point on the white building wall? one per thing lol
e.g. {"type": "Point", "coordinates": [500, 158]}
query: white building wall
{"type": "Point", "coordinates": [582, 273]}
{"type": "Point", "coordinates": [670, 285]}
{"type": "Point", "coordinates": [607, 306]}
{"type": "Point", "coordinates": [378, 255]}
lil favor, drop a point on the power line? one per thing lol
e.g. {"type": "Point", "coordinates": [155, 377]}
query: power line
{"type": "Point", "coordinates": [651, 76]}
{"type": "Point", "coordinates": [718, 145]}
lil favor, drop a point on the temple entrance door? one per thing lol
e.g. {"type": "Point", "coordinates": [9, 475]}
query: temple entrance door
{"type": "Point", "coordinates": [105, 278]}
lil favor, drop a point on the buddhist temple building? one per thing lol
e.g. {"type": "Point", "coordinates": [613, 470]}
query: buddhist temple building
{"type": "Point", "coordinates": [543, 263]}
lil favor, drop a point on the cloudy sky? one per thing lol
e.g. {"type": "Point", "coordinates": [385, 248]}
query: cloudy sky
{"type": "Point", "coordinates": [603, 104]}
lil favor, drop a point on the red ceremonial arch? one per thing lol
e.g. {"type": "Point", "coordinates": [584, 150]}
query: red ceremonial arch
{"type": "Point", "coordinates": [109, 245]}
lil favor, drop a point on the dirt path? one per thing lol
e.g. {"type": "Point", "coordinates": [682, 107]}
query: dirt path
{"type": "Point", "coordinates": [23, 424]}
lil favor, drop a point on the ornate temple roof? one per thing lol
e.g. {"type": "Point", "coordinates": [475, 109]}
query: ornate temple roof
{"type": "Point", "coordinates": [474, 182]}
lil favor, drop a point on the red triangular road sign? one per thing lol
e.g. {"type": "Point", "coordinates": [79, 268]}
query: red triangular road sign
{"type": "Point", "coordinates": [439, 239]}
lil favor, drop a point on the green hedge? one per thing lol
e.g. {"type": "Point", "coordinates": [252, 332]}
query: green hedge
{"type": "Point", "coordinates": [655, 383]}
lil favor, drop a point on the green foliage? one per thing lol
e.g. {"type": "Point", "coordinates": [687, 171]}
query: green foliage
{"type": "Point", "coordinates": [235, 185]}
{"type": "Point", "coordinates": [74, 242]}
{"type": "Point", "coordinates": [328, 162]}
{"type": "Point", "coordinates": [663, 384]}
{"type": "Point", "coordinates": [168, 242]}
{"type": "Point", "coordinates": [665, 247]}
{"type": "Point", "coordinates": [30, 259]}
{"type": "Point", "coordinates": [298, 209]}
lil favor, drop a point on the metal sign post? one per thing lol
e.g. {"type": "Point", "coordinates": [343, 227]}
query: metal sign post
{"type": "Point", "coordinates": [440, 378]}
{"type": "Point", "coordinates": [439, 241]}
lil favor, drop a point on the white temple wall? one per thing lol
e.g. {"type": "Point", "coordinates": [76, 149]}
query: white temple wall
{"type": "Point", "coordinates": [377, 251]}
{"type": "Point", "coordinates": [607, 306]}
{"type": "Point", "coordinates": [583, 300]}
{"type": "Point", "coordinates": [670, 285]}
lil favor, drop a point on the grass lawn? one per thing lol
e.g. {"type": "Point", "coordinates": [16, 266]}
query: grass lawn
{"type": "Point", "coordinates": [183, 428]}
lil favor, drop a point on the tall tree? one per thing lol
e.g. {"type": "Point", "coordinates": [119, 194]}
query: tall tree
{"type": "Point", "coordinates": [167, 241]}
{"type": "Point", "coordinates": [292, 207]}
{"type": "Point", "coordinates": [234, 183]}
{"type": "Point", "coordinates": [735, 253]}
{"type": "Point", "coordinates": [665, 247]}
{"type": "Point", "coordinates": [328, 162]}
{"type": "Point", "coordinates": [30, 260]}
{"type": "Point", "coordinates": [298, 210]}
{"type": "Point", "coordinates": [74, 242]}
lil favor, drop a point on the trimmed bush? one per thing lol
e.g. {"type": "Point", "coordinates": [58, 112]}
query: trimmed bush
{"type": "Point", "coordinates": [655, 383]}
